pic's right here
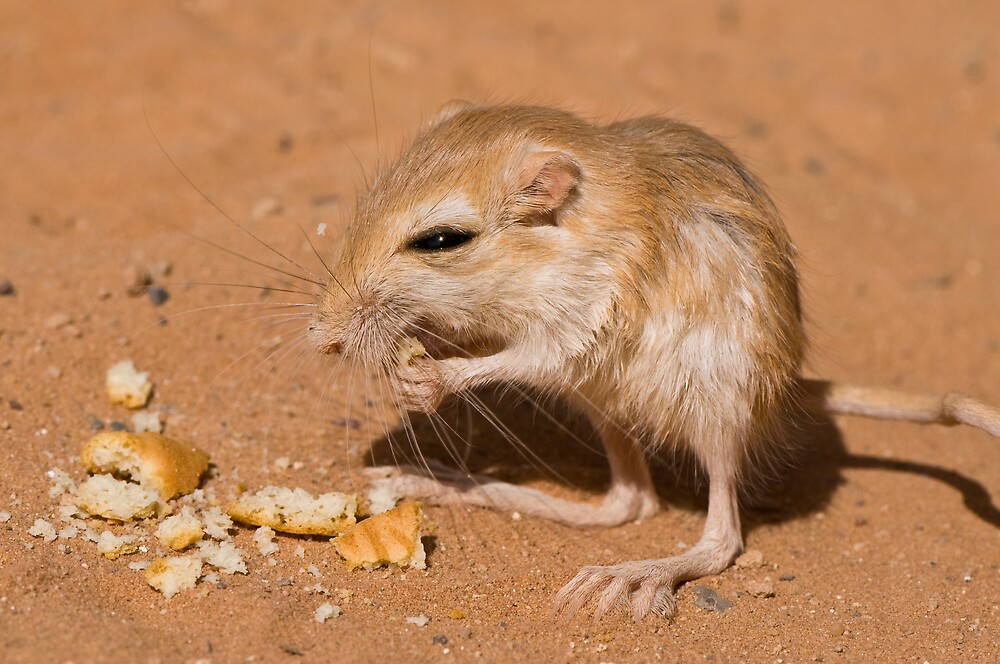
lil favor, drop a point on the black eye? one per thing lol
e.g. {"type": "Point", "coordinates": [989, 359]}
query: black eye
{"type": "Point", "coordinates": [440, 239]}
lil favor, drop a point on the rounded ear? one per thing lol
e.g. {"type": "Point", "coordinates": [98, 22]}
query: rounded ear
{"type": "Point", "coordinates": [450, 110]}
{"type": "Point", "coordinates": [546, 180]}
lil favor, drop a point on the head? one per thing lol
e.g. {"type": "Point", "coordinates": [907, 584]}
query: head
{"type": "Point", "coordinates": [472, 241]}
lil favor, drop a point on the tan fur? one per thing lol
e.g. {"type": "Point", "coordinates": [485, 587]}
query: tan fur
{"type": "Point", "coordinates": [635, 269]}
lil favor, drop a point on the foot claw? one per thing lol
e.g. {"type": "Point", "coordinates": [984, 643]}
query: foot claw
{"type": "Point", "coordinates": [642, 587]}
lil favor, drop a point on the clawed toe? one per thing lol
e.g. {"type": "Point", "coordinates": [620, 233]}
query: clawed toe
{"type": "Point", "coordinates": [640, 588]}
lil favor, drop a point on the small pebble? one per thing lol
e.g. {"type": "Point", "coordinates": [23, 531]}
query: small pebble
{"type": "Point", "coordinates": [158, 295]}
{"type": "Point", "coordinates": [838, 629]}
{"type": "Point", "coordinates": [706, 598]}
{"type": "Point", "coordinates": [162, 269]}
{"type": "Point", "coordinates": [750, 558]}
{"type": "Point", "coordinates": [15, 405]}
{"type": "Point", "coordinates": [118, 426]}
{"type": "Point", "coordinates": [440, 640]}
{"type": "Point", "coordinates": [55, 321]}
{"type": "Point", "coordinates": [6, 288]}
{"type": "Point", "coordinates": [265, 207]}
{"type": "Point", "coordinates": [760, 588]}
{"type": "Point", "coordinates": [347, 423]}
{"type": "Point", "coordinates": [786, 577]}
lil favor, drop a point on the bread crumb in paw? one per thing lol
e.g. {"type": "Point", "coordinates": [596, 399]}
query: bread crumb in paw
{"type": "Point", "coordinates": [390, 538]}
{"type": "Point", "coordinates": [173, 575]}
{"type": "Point", "coordinates": [128, 386]}
{"type": "Point", "coordinates": [296, 511]}
{"type": "Point", "coordinates": [105, 496]}
{"type": "Point", "coordinates": [180, 530]}
{"type": "Point", "coordinates": [410, 348]}
{"type": "Point", "coordinates": [171, 467]}
{"type": "Point", "coordinates": [112, 546]}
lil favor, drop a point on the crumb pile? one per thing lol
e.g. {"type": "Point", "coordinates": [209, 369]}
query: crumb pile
{"type": "Point", "coordinates": [142, 494]}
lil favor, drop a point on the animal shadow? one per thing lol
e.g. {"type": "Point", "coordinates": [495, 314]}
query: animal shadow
{"type": "Point", "coordinates": [527, 438]}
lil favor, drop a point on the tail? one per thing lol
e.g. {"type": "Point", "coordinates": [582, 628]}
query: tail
{"type": "Point", "coordinates": [888, 404]}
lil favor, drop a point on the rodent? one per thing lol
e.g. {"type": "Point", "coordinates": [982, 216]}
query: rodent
{"type": "Point", "coordinates": [637, 270]}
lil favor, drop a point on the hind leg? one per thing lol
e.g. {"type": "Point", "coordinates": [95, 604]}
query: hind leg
{"type": "Point", "coordinates": [631, 495]}
{"type": "Point", "coordinates": [646, 586]}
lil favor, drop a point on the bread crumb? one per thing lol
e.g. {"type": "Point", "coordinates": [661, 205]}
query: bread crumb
{"type": "Point", "coordinates": [4, 517]}
{"type": "Point", "coordinates": [392, 537]}
{"type": "Point", "coordinates": [138, 565]}
{"type": "Point", "coordinates": [68, 532]}
{"type": "Point", "coordinates": [127, 386]}
{"type": "Point", "coordinates": [224, 556]}
{"type": "Point", "coordinates": [382, 497]}
{"type": "Point", "coordinates": [264, 537]}
{"type": "Point", "coordinates": [147, 420]}
{"type": "Point", "coordinates": [112, 546]}
{"type": "Point", "coordinates": [62, 483]}
{"type": "Point", "coordinates": [283, 463]}
{"type": "Point", "coordinates": [44, 529]}
{"type": "Point", "coordinates": [326, 610]}
{"type": "Point", "coordinates": [173, 575]}
{"type": "Point", "coordinates": [296, 511]}
{"type": "Point", "coordinates": [180, 530]}
{"type": "Point", "coordinates": [103, 495]}
{"type": "Point", "coordinates": [211, 577]}
{"type": "Point", "coordinates": [300, 551]}
{"type": "Point", "coordinates": [172, 467]}
{"type": "Point", "coordinates": [217, 524]}
{"type": "Point", "coordinates": [419, 621]}
{"type": "Point", "coordinates": [71, 514]}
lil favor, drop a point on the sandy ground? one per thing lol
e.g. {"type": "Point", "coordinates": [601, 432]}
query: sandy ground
{"type": "Point", "coordinates": [874, 124]}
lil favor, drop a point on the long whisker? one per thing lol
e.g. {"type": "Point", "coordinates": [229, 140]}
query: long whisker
{"type": "Point", "coordinates": [205, 196]}
{"type": "Point", "coordinates": [323, 263]}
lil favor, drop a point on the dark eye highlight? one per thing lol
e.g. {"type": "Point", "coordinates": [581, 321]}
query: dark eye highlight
{"type": "Point", "coordinates": [440, 239]}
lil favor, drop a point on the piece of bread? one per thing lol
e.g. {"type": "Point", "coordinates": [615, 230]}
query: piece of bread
{"type": "Point", "coordinates": [112, 546]}
{"type": "Point", "coordinates": [389, 538]}
{"type": "Point", "coordinates": [105, 496]}
{"type": "Point", "coordinates": [180, 530]}
{"type": "Point", "coordinates": [171, 467]}
{"type": "Point", "coordinates": [128, 386]}
{"type": "Point", "coordinates": [296, 511]}
{"type": "Point", "coordinates": [224, 556]}
{"type": "Point", "coordinates": [172, 575]}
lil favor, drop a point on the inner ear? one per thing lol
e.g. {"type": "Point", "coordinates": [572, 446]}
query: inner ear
{"type": "Point", "coordinates": [546, 180]}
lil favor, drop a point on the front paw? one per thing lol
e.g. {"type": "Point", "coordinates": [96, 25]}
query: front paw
{"type": "Point", "coordinates": [420, 385]}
